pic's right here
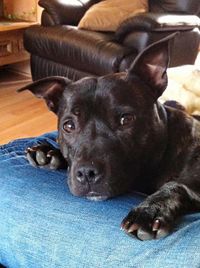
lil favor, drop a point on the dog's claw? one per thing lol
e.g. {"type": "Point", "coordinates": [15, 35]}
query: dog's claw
{"type": "Point", "coordinates": [125, 225]}
{"type": "Point", "coordinates": [28, 150]}
{"type": "Point", "coordinates": [128, 227]}
{"type": "Point", "coordinates": [156, 225]}
{"type": "Point", "coordinates": [133, 228]}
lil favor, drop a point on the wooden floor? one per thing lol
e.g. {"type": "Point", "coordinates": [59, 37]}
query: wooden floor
{"type": "Point", "coordinates": [21, 114]}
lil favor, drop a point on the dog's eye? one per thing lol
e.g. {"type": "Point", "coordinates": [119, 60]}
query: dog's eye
{"type": "Point", "coordinates": [69, 126]}
{"type": "Point", "coordinates": [127, 119]}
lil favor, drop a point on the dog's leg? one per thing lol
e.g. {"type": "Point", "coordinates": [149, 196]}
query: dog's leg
{"type": "Point", "coordinates": [157, 215]}
{"type": "Point", "coordinates": [45, 155]}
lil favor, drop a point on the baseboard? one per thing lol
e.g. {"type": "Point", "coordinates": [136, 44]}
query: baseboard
{"type": "Point", "coordinates": [21, 68]}
{"type": "Point", "coordinates": [11, 76]}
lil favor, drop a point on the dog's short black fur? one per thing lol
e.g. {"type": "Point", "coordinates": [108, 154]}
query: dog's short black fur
{"type": "Point", "coordinates": [116, 137]}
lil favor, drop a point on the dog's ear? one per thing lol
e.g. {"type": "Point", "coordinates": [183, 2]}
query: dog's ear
{"type": "Point", "coordinates": [151, 65]}
{"type": "Point", "coordinates": [50, 89]}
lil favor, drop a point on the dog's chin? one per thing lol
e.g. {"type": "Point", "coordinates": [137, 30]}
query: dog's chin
{"type": "Point", "coordinates": [96, 197]}
{"type": "Point", "coordinates": [90, 195]}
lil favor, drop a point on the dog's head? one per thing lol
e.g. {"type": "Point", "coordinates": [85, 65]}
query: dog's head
{"type": "Point", "coordinates": [111, 129]}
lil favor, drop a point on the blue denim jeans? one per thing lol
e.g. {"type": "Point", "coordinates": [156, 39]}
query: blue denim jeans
{"type": "Point", "coordinates": [43, 225]}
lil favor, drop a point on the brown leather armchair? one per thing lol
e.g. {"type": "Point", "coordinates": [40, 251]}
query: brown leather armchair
{"type": "Point", "coordinates": [58, 47]}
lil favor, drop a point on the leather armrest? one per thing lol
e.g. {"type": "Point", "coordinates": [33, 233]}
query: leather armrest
{"type": "Point", "coordinates": [148, 22]}
{"type": "Point", "coordinates": [65, 12]}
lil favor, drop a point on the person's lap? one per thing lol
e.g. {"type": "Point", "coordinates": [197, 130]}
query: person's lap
{"type": "Point", "coordinates": [43, 225]}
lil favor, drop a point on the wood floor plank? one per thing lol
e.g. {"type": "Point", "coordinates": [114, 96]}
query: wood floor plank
{"type": "Point", "coordinates": [22, 115]}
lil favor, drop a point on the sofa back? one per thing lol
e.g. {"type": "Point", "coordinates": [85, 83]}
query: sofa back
{"type": "Point", "coordinates": [175, 6]}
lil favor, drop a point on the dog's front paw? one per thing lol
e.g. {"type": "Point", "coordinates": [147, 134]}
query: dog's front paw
{"type": "Point", "coordinates": [148, 222]}
{"type": "Point", "coordinates": [45, 156]}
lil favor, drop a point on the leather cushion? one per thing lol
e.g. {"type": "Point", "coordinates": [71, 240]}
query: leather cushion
{"type": "Point", "coordinates": [91, 52]}
{"type": "Point", "coordinates": [108, 15]}
{"type": "Point", "coordinates": [175, 6]}
{"type": "Point", "coordinates": [157, 22]}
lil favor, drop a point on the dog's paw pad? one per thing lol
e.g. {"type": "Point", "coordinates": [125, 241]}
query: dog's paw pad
{"type": "Point", "coordinates": [36, 155]}
{"type": "Point", "coordinates": [41, 158]}
{"type": "Point", "coordinates": [55, 159]}
{"type": "Point", "coordinates": [144, 235]}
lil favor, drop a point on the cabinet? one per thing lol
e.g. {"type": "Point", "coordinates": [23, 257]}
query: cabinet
{"type": "Point", "coordinates": [14, 19]}
{"type": "Point", "coordinates": [11, 42]}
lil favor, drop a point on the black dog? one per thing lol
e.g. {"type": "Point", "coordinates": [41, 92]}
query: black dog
{"type": "Point", "coordinates": [116, 137]}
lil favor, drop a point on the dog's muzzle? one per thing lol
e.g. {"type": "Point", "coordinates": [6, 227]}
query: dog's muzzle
{"type": "Point", "coordinates": [88, 179]}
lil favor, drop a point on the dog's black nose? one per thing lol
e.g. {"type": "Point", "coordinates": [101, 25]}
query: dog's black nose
{"type": "Point", "coordinates": [88, 174]}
